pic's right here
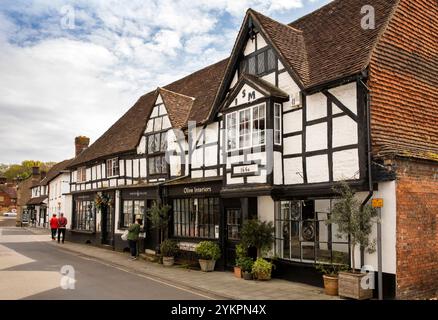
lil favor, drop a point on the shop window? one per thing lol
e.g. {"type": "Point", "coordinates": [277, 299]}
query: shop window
{"type": "Point", "coordinates": [84, 216]}
{"type": "Point", "coordinates": [303, 235]}
{"type": "Point", "coordinates": [132, 210]}
{"type": "Point", "coordinates": [196, 218]}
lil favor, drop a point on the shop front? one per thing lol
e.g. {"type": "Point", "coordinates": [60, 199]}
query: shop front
{"type": "Point", "coordinates": [134, 204]}
{"type": "Point", "coordinates": [196, 215]}
{"type": "Point", "coordinates": [83, 224]}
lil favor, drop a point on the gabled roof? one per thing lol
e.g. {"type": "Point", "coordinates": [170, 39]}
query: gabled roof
{"type": "Point", "coordinates": [337, 46]}
{"type": "Point", "coordinates": [55, 171]}
{"type": "Point", "coordinates": [178, 107]}
{"type": "Point", "coordinates": [289, 43]}
{"type": "Point", "coordinates": [263, 86]}
{"type": "Point", "coordinates": [124, 135]}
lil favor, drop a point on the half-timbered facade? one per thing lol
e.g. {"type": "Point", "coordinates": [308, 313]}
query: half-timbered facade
{"type": "Point", "coordinates": [266, 134]}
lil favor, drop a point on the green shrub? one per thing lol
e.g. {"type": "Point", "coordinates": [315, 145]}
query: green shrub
{"type": "Point", "coordinates": [245, 263]}
{"type": "Point", "coordinates": [240, 253]}
{"type": "Point", "coordinates": [331, 269]}
{"type": "Point", "coordinates": [208, 250]}
{"type": "Point", "coordinates": [262, 267]}
{"type": "Point", "coordinates": [258, 234]}
{"type": "Point", "coordinates": [169, 248]}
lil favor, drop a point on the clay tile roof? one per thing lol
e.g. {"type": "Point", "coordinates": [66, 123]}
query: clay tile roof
{"type": "Point", "coordinates": [37, 200]}
{"type": "Point", "coordinates": [11, 192]}
{"type": "Point", "coordinates": [265, 86]}
{"type": "Point", "coordinates": [178, 107]}
{"type": "Point", "coordinates": [124, 135]}
{"type": "Point", "coordinates": [335, 42]}
{"type": "Point", "coordinates": [289, 42]}
{"type": "Point", "coordinates": [203, 86]}
{"type": "Point", "coordinates": [55, 171]}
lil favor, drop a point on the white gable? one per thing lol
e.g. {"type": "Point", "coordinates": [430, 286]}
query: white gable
{"type": "Point", "coordinates": [246, 94]}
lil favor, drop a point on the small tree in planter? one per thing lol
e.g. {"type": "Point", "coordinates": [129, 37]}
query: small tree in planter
{"type": "Point", "coordinates": [240, 254]}
{"type": "Point", "coordinates": [169, 249]}
{"type": "Point", "coordinates": [262, 269]}
{"type": "Point", "coordinates": [330, 276]}
{"type": "Point", "coordinates": [258, 234]}
{"type": "Point", "coordinates": [355, 221]}
{"type": "Point", "coordinates": [158, 215]}
{"type": "Point", "coordinates": [208, 252]}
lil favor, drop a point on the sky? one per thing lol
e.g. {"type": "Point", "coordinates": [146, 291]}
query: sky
{"type": "Point", "coordinates": [70, 68]}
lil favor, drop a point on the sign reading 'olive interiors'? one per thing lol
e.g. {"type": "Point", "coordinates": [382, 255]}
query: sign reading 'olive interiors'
{"type": "Point", "coordinates": [189, 190]}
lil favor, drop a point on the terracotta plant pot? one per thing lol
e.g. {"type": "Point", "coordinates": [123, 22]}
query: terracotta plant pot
{"type": "Point", "coordinates": [207, 265]}
{"type": "Point", "coordinates": [350, 286]}
{"type": "Point", "coordinates": [237, 272]}
{"type": "Point", "coordinates": [330, 285]}
{"type": "Point", "coordinates": [168, 261]}
{"type": "Point", "coordinates": [247, 275]}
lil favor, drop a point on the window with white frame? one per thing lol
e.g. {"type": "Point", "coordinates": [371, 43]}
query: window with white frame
{"type": "Point", "coordinates": [258, 125]}
{"type": "Point", "coordinates": [112, 167]}
{"type": "Point", "coordinates": [81, 174]}
{"type": "Point", "coordinates": [232, 131]}
{"type": "Point", "coordinates": [277, 123]}
{"type": "Point", "coordinates": [246, 128]}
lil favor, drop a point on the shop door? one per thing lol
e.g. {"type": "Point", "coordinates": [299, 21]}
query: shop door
{"type": "Point", "coordinates": [107, 225]}
{"type": "Point", "coordinates": [151, 241]}
{"type": "Point", "coordinates": [232, 234]}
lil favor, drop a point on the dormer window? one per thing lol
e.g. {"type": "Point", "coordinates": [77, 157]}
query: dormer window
{"type": "Point", "coordinates": [112, 167]}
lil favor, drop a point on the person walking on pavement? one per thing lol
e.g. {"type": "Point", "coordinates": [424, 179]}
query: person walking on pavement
{"type": "Point", "coordinates": [133, 232]}
{"type": "Point", "coordinates": [62, 224]}
{"type": "Point", "coordinates": [54, 225]}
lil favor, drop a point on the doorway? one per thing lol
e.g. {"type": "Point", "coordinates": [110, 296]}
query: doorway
{"type": "Point", "coordinates": [232, 234]}
{"type": "Point", "coordinates": [107, 225]}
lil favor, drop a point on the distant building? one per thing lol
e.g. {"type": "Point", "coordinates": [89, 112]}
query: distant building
{"type": "Point", "coordinates": [8, 197]}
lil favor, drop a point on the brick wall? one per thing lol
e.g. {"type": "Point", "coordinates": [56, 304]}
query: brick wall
{"type": "Point", "coordinates": [417, 229]}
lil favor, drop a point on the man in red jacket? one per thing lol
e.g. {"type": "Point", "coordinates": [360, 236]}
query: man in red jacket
{"type": "Point", "coordinates": [62, 224]}
{"type": "Point", "coordinates": [54, 225]}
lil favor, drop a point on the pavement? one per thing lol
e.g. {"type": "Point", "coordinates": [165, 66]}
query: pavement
{"type": "Point", "coordinates": [213, 285]}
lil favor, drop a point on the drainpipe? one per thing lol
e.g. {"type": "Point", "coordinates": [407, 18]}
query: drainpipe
{"type": "Point", "coordinates": [370, 179]}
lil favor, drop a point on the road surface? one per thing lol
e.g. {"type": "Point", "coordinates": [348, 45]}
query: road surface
{"type": "Point", "coordinates": [30, 268]}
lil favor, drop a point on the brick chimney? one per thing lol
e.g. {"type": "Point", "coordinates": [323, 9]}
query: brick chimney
{"type": "Point", "coordinates": [81, 143]}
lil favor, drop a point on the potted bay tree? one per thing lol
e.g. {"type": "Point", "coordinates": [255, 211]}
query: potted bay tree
{"type": "Point", "coordinates": [354, 221]}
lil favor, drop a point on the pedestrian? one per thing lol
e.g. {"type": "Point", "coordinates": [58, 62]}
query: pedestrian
{"type": "Point", "coordinates": [54, 225]}
{"type": "Point", "coordinates": [133, 232]}
{"type": "Point", "coordinates": [62, 224]}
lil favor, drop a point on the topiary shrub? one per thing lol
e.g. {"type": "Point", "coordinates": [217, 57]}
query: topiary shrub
{"type": "Point", "coordinates": [208, 250]}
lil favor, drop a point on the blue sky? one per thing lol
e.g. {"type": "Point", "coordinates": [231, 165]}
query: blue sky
{"type": "Point", "coordinates": [71, 68]}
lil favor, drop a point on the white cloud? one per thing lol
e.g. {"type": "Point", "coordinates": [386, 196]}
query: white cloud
{"type": "Point", "coordinates": [56, 83]}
